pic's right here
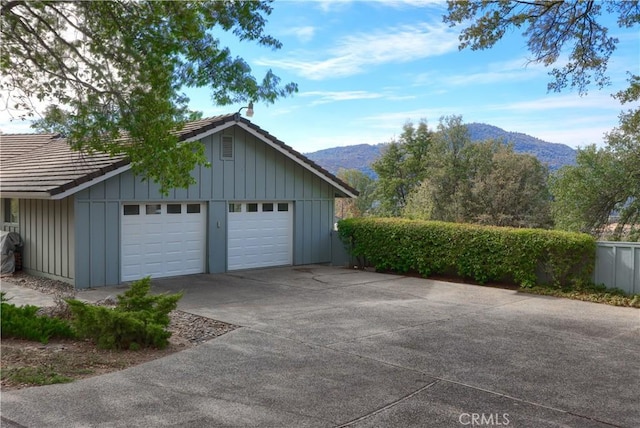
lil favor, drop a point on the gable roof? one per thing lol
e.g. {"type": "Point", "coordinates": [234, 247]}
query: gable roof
{"type": "Point", "coordinates": [43, 166]}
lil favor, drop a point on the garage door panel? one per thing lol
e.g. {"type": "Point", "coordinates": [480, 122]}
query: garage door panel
{"type": "Point", "coordinates": [259, 239]}
{"type": "Point", "coordinates": [168, 242]}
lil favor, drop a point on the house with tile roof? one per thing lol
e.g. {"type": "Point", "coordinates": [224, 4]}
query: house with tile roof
{"type": "Point", "coordinates": [88, 220]}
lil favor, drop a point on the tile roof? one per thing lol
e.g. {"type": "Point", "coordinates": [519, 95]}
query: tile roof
{"type": "Point", "coordinates": [45, 165]}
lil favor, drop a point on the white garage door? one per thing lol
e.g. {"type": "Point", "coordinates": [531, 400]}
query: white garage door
{"type": "Point", "coordinates": [162, 239]}
{"type": "Point", "coordinates": [260, 235]}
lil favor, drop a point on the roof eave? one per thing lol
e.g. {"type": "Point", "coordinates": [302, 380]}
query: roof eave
{"type": "Point", "coordinates": [68, 189]}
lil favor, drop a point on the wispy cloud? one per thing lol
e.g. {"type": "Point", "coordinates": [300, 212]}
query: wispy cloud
{"type": "Point", "coordinates": [332, 5]}
{"type": "Point", "coordinates": [518, 69]}
{"type": "Point", "coordinates": [557, 102]}
{"type": "Point", "coordinates": [357, 53]}
{"type": "Point", "coordinates": [412, 3]}
{"type": "Point", "coordinates": [324, 97]}
{"type": "Point", "coordinates": [304, 34]}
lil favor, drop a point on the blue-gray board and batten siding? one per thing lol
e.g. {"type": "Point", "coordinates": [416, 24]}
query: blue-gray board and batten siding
{"type": "Point", "coordinates": [256, 172]}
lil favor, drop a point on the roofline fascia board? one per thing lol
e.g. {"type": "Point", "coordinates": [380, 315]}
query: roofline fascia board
{"type": "Point", "coordinates": [90, 183]}
{"type": "Point", "coordinates": [295, 158]}
{"type": "Point", "coordinates": [25, 195]}
{"type": "Point", "coordinates": [211, 131]}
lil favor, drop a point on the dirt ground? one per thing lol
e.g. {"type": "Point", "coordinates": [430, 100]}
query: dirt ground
{"type": "Point", "coordinates": [26, 364]}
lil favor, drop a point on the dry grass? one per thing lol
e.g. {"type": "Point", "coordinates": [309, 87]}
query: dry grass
{"type": "Point", "coordinates": [24, 364]}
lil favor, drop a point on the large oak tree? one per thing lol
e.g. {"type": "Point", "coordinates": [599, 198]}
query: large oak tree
{"type": "Point", "coordinates": [114, 72]}
{"type": "Point", "coordinates": [551, 28]}
{"type": "Point", "coordinates": [605, 181]}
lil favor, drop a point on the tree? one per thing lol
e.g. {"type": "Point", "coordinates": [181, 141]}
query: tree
{"type": "Point", "coordinates": [604, 180]}
{"type": "Point", "coordinates": [365, 185]}
{"type": "Point", "coordinates": [401, 167]}
{"type": "Point", "coordinates": [114, 73]}
{"type": "Point", "coordinates": [512, 192]}
{"type": "Point", "coordinates": [449, 175]}
{"type": "Point", "coordinates": [549, 27]}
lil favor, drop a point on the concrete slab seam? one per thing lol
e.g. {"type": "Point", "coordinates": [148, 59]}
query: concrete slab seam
{"type": "Point", "coordinates": [444, 380]}
{"type": "Point", "coordinates": [8, 423]}
{"type": "Point", "coordinates": [388, 406]}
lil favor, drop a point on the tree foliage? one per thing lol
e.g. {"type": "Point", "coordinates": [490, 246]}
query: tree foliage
{"type": "Point", "coordinates": [114, 72]}
{"type": "Point", "coordinates": [446, 177]}
{"type": "Point", "coordinates": [402, 167]}
{"type": "Point", "coordinates": [363, 204]}
{"type": "Point", "coordinates": [549, 27]}
{"type": "Point", "coordinates": [512, 191]}
{"type": "Point", "coordinates": [605, 180]}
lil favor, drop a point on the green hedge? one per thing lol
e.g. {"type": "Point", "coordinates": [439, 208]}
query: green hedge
{"type": "Point", "coordinates": [483, 253]}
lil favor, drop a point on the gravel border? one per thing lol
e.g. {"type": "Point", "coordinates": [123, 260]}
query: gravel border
{"type": "Point", "coordinates": [184, 326]}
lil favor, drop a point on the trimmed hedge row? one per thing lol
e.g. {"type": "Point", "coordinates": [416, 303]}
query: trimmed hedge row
{"type": "Point", "coordinates": [483, 253]}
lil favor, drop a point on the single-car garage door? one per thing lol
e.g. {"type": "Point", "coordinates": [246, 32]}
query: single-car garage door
{"type": "Point", "coordinates": [162, 239]}
{"type": "Point", "coordinates": [260, 235]}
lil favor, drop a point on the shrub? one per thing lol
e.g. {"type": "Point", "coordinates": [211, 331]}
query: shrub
{"type": "Point", "coordinates": [22, 322]}
{"type": "Point", "coordinates": [138, 320]}
{"type": "Point", "coordinates": [482, 253]}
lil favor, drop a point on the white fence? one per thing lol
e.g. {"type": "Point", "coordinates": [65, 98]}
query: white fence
{"type": "Point", "coordinates": [618, 265]}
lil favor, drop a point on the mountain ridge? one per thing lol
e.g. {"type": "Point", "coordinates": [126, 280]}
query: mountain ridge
{"type": "Point", "coordinates": [361, 156]}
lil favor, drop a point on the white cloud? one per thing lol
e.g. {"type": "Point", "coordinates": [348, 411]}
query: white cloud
{"type": "Point", "coordinates": [571, 101]}
{"type": "Point", "coordinates": [331, 96]}
{"type": "Point", "coordinates": [412, 3]}
{"type": "Point", "coordinates": [332, 5]}
{"type": "Point", "coordinates": [356, 53]}
{"type": "Point", "coordinates": [303, 34]}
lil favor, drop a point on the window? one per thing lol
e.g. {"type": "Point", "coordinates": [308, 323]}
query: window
{"type": "Point", "coordinates": [235, 208]}
{"type": "Point", "coordinates": [131, 210]}
{"type": "Point", "coordinates": [174, 208]}
{"type": "Point", "coordinates": [252, 208]}
{"type": "Point", "coordinates": [283, 206]}
{"type": "Point", "coordinates": [226, 147]}
{"type": "Point", "coordinates": [267, 207]}
{"type": "Point", "coordinates": [154, 209]}
{"type": "Point", "coordinates": [11, 210]}
{"type": "Point", "coordinates": [193, 208]}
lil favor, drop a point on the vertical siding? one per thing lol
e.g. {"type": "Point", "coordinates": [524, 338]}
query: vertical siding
{"type": "Point", "coordinates": [47, 230]}
{"type": "Point", "coordinates": [97, 243]}
{"type": "Point", "coordinates": [256, 172]}
{"type": "Point", "coordinates": [217, 252]}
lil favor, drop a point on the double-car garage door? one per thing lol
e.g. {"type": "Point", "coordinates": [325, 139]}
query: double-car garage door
{"type": "Point", "coordinates": [169, 239]}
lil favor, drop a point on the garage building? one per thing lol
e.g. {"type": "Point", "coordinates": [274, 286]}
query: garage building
{"type": "Point", "coordinates": [88, 220]}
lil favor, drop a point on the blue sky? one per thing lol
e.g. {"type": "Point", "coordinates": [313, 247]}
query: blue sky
{"type": "Point", "coordinates": [364, 68]}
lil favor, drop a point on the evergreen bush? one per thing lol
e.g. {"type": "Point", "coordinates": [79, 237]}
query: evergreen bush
{"type": "Point", "coordinates": [139, 319]}
{"type": "Point", "coordinates": [22, 322]}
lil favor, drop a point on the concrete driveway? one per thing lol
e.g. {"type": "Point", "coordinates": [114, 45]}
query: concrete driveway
{"type": "Point", "coordinates": [331, 347]}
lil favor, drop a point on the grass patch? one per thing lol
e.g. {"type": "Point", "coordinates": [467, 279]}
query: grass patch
{"type": "Point", "coordinates": [589, 293]}
{"type": "Point", "coordinates": [33, 376]}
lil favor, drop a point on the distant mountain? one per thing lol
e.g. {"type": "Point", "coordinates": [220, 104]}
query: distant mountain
{"type": "Point", "coordinates": [358, 157]}
{"type": "Point", "coordinates": [553, 154]}
{"type": "Point", "coordinates": [361, 156]}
